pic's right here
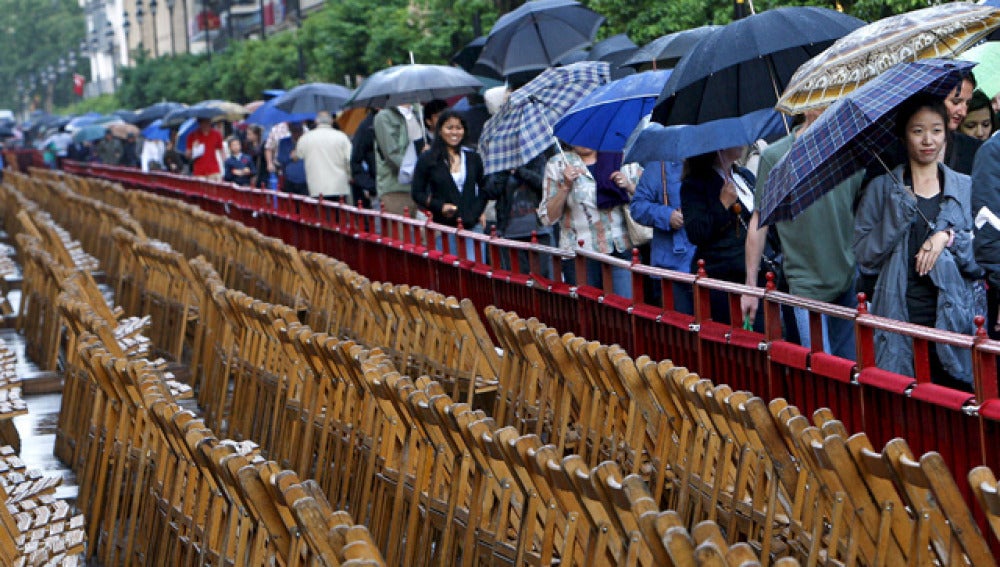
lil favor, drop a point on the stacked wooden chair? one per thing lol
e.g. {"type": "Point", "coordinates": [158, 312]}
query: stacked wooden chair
{"type": "Point", "coordinates": [396, 404]}
{"type": "Point", "coordinates": [35, 527]}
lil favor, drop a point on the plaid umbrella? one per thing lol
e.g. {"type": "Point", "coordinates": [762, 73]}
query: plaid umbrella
{"type": "Point", "coordinates": [849, 135]}
{"type": "Point", "coordinates": [522, 128]}
{"type": "Point", "coordinates": [944, 30]}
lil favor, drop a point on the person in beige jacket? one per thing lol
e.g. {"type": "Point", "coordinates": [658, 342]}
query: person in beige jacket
{"type": "Point", "coordinates": [327, 155]}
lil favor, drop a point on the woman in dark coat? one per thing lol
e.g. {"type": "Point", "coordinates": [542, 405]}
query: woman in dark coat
{"type": "Point", "coordinates": [718, 201]}
{"type": "Point", "coordinates": [448, 179]}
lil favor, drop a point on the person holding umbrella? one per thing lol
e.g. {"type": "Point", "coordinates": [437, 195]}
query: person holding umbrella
{"type": "Point", "coordinates": [817, 253]}
{"type": "Point", "coordinates": [392, 138]}
{"type": "Point", "coordinates": [718, 197]}
{"type": "Point", "coordinates": [448, 180]}
{"type": "Point", "coordinates": [570, 199]}
{"type": "Point", "coordinates": [913, 230]}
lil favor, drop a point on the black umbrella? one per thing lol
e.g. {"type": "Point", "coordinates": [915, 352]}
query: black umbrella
{"type": "Point", "coordinates": [467, 56]}
{"type": "Point", "coordinates": [404, 84]}
{"type": "Point", "coordinates": [177, 117]}
{"type": "Point", "coordinates": [312, 98]}
{"type": "Point", "coordinates": [538, 34]}
{"type": "Point", "coordinates": [153, 112]}
{"type": "Point", "coordinates": [664, 52]}
{"type": "Point", "coordinates": [744, 66]}
{"type": "Point", "coordinates": [615, 50]}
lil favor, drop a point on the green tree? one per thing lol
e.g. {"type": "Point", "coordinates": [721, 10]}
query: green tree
{"type": "Point", "coordinates": [33, 35]}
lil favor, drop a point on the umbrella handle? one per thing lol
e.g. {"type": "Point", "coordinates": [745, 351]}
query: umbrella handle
{"type": "Point", "coordinates": [771, 72]}
{"type": "Point", "coordinates": [548, 126]}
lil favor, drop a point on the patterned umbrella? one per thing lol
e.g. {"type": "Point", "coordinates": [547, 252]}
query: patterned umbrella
{"type": "Point", "coordinates": [522, 128]}
{"type": "Point", "coordinates": [944, 30]}
{"type": "Point", "coordinates": [850, 134]}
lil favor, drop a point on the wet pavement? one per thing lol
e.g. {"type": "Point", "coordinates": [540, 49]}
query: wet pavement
{"type": "Point", "coordinates": [37, 429]}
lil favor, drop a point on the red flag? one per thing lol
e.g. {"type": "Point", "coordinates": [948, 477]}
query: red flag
{"type": "Point", "coordinates": [78, 82]}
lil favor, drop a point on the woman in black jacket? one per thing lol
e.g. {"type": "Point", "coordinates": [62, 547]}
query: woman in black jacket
{"type": "Point", "coordinates": [718, 201]}
{"type": "Point", "coordinates": [448, 179]}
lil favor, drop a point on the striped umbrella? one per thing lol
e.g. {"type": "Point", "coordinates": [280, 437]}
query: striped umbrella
{"type": "Point", "coordinates": [944, 30]}
{"type": "Point", "coordinates": [522, 128]}
{"type": "Point", "coordinates": [850, 134]}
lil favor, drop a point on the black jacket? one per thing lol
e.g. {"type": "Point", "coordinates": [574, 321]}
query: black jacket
{"type": "Point", "coordinates": [960, 152]}
{"type": "Point", "coordinates": [500, 185]}
{"type": "Point", "coordinates": [433, 186]}
{"type": "Point", "coordinates": [363, 161]}
{"type": "Point", "coordinates": [715, 230]}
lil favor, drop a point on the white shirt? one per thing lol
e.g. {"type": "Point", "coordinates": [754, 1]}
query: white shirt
{"type": "Point", "coordinates": [327, 155]}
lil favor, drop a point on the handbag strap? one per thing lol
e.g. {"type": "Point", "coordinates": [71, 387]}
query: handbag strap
{"type": "Point", "coordinates": [663, 182]}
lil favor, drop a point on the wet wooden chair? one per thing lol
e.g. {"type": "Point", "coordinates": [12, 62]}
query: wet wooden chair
{"type": "Point", "coordinates": [945, 527]}
{"type": "Point", "coordinates": [984, 486]}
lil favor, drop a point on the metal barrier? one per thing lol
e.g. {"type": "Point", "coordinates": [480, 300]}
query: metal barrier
{"type": "Point", "coordinates": [964, 428]}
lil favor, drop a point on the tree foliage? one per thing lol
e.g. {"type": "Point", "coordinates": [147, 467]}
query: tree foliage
{"type": "Point", "coordinates": [33, 35]}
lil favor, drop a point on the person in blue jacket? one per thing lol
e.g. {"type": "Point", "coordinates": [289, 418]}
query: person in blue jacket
{"type": "Point", "coordinates": [670, 248]}
{"type": "Point", "coordinates": [238, 166]}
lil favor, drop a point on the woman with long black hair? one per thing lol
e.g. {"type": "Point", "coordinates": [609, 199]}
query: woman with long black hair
{"type": "Point", "coordinates": [448, 179]}
{"type": "Point", "coordinates": [913, 229]}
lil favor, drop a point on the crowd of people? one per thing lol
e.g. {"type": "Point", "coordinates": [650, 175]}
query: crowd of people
{"type": "Point", "coordinates": [903, 234]}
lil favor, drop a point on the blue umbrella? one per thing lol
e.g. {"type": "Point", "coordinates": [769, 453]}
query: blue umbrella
{"type": "Point", "coordinates": [89, 133]}
{"type": "Point", "coordinates": [268, 115]}
{"type": "Point", "coordinates": [603, 119]}
{"type": "Point", "coordinates": [87, 119]}
{"type": "Point", "coordinates": [850, 135]}
{"type": "Point", "coordinates": [155, 131]}
{"type": "Point", "coordinates": [182, 133]}
{"type": "Point", "coordinates": [522, 128]}
{"type": "Point", "coordinates": [677, 143]}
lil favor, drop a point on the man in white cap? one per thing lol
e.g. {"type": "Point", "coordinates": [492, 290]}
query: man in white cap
{"type": "Point", "coordinates": [327, 155]}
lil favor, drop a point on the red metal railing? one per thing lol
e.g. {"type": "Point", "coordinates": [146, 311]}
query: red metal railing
{"type": "Point", "coordinates": [962, 427]}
